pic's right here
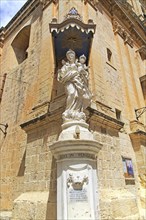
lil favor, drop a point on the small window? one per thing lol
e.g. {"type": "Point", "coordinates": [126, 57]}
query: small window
{"type": "Point", "coordinates": [103, 130]}
{"type": "Point", "coordinates": [20, 44]}
{"type": "Point", "coordinates": [143, 85]}
{"type": "Point", "coordinates": [128, 171]}
{"type": "Point", "coordinates": [109, 55]}
{"type": "Point", "coordinates": [118, 114]}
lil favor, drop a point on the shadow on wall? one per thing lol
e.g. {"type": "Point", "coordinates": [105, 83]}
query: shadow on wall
{"type": "Point", "coordinates": [22, 165]}
{"type": "Point", "coordinates": [52, 200]}
{"type": "Point", "coordinates": [40, 166]}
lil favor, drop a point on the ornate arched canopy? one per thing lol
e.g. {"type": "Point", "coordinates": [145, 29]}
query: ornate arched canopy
{"type": "Point", "coordinates": [73, 34]}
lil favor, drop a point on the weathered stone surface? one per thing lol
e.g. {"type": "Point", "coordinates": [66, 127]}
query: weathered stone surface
{"type": "Point", "coordinates": [32, 97]}
{"type": "Point", "coordinates": [5, 215]}
{"type": "Point", "coordinates": [31, 205]}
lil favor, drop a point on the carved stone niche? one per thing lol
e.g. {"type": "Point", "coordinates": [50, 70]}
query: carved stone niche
{"type": "Point", "coordinates": [73, 34]}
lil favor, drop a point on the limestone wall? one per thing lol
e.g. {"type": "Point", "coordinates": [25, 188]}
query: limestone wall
{"type": "Point", "coordinates": [27, 85]}
{"type": "Point", "coordinates": [27, 165]}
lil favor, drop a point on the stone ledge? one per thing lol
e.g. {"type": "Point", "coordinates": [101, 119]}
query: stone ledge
{"type": "Point", "coordinates": [104, 119]}
{"type": "Point", "coordinates": [92, 114]}
{"type": "Point", "coordinates": [33, 121]}
{"type": "Point", "coordinates": [41, 120]}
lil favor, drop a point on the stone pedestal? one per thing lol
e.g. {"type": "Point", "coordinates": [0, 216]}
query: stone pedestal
{"type": "Point", "coordinates": [75, 130]}
{"type": "Point", "coordinates": [77, 185]}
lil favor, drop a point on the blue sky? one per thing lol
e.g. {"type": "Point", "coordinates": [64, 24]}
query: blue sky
{"type": "Point", "coordinates": [8, 8]}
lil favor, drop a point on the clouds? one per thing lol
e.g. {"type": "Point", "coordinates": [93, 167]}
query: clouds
{"type": "Point", "coordinates": [8, 8]}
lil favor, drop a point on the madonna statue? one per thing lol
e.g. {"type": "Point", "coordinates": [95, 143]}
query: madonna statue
{"type": "Point", "coordinates": [74, 76]}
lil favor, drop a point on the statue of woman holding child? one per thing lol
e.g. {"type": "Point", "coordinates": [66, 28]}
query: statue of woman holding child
{"type": "Point", "coordinates": [74, 75]}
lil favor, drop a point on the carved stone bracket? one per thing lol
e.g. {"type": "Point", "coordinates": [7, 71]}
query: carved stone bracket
{"type": "Point", "coordinates": [46, 2]}
{"type": "Point", "coordinates": [122, 10]}
{"type": "Point", "coordinates": [136, 126]}
{"type": "Point", "coordinates": [2, 37]}
{"type": "Point", "coordinates": [128, 8]}
{"type": "Point", "coordinates": [138, 138]}
{"type": "Point", "coordinates": [93, 3]}
{"type": "Point", "coordinates": [117, 28]}
{"type": "Point", "coordinates": [142, 52]}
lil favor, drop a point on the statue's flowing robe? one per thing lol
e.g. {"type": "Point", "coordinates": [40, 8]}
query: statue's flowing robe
{"type": "Point", "coordinates": [78, 95]}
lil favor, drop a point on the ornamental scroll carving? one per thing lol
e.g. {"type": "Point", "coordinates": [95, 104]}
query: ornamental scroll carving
{"type": "Point", "coordinates": [117, 28]}
{"type": "Point", "coordinates": [76, 184]}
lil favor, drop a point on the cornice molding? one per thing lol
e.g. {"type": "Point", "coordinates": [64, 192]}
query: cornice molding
{"type": "Point", "coordinates": [130, 22]}
{"type": "Point", "coordinates": [71, 22]}
{"type": "Point", "coordinates": [104, 119]}
{"type": "Point", "coordinates": [42, 120]}
{"type": "Point", "coordinates": [72, 19]}
{"type": "Point", "coordinates": [142, 52]}
{"type": "Point", "coordinates": [2, 37]}
{"type": "Point", "coordinates": [118, 29]}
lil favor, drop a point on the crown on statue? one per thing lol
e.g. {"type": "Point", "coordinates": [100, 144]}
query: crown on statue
{"type": "Point", "coordinates": [70, 52]}
{"type": "Point", "coordinates": [83, 57]}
